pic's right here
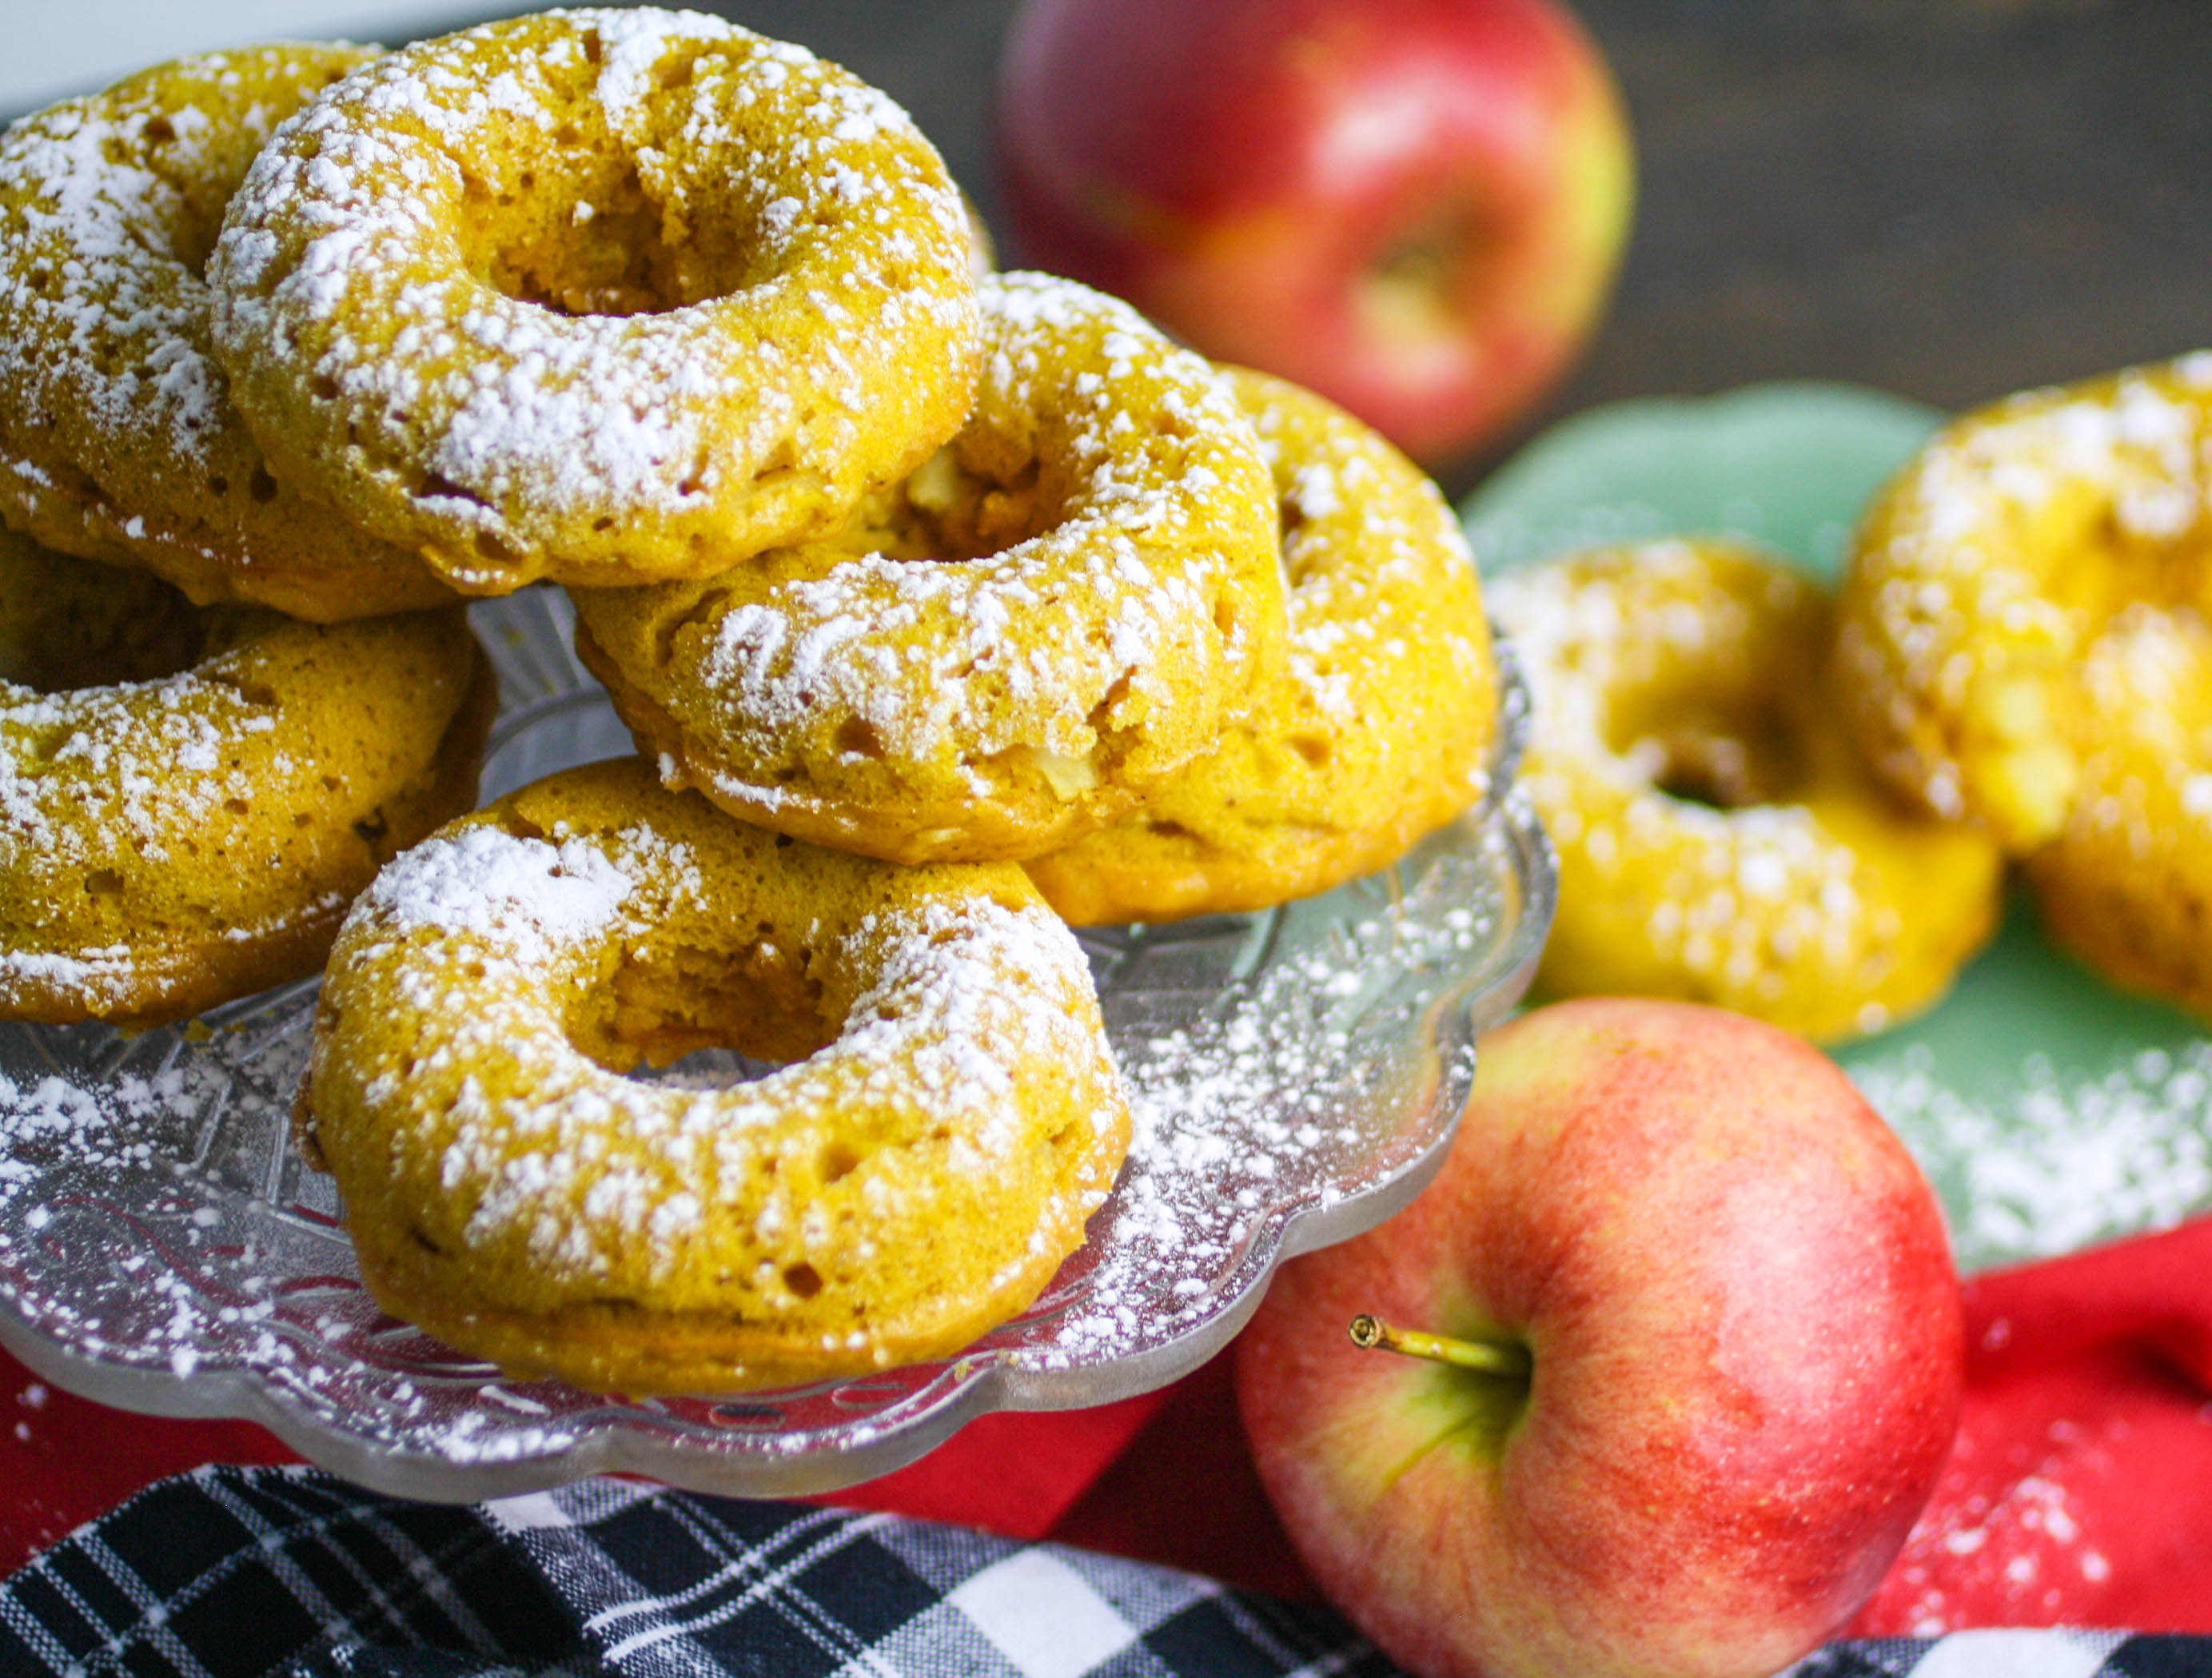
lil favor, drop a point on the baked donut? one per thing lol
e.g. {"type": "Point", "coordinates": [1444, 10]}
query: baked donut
{"type": "Point", "coordinates": [118, 438]}
{"type": "Point", "coordinates": [606, 296]}
{"type": "Point", "coordinates": [952, 1117]}
{"type": "Point", "coordinates": [1985, 574]}
{"type": "Point", "coordinates": [1718, 839]}
{"type": "Point", "coordinates": [2126, 881]}
{"type": "Point", "coordinates": [1047, 620]}
{"type": "Point", "coordinates": [1378, 730]}
{"type": "Point", "coordinates": [189, 797]}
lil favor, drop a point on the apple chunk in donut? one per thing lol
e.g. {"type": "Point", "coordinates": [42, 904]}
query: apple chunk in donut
{"type": "Point", "coordinates": [950, 1116]}
{"type": "Point", "coordinates": [1044, 623]}
{"type": "Point", "coordinates": [604, 296]}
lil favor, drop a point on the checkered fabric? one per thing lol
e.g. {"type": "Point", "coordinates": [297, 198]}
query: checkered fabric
{"type": "Point", "coordinates": [291, 1574]}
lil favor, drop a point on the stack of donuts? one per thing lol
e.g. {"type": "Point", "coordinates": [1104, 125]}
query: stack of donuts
{"type": "Point", "coordinates": [946, 608]}
{"type": "Point", "coordinates": [1804, 808]}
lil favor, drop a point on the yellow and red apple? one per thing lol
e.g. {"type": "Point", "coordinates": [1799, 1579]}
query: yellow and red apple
{"type": "Point", "coordinates": [1731, 1337]}
{"type": "Point", "coordinates": [1415, 207]}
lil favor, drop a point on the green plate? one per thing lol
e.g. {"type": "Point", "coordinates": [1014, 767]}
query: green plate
{"type": "Point", "coordinates": [2050, 1110]}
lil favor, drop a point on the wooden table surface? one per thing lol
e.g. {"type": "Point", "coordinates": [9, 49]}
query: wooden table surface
{"type": "Point", "coordinates": [1948, 198]}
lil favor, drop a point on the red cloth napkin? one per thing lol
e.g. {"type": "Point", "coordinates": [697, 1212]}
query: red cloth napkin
{"type": "Point", "coordinates": [2080, 1492]}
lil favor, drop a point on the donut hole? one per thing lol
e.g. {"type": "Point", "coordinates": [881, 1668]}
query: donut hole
{"type": "Point", "coordinates": [587, 241]}
{"type": "Point", "coordinates": [1722, 768]}
{"type": "Point", "coordinates": [1716, 715]}
{"type": "Point", "coordinates": [731, 1015]}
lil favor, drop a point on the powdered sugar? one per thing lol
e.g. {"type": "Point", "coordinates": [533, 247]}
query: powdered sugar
{"type": "Point", "coordinates": [1748, 901]}
{"type": "Point", "coordinates": [2049, 1161]}
{"type": "Point", "coordinates": [91, 285]}
{"type": "Point", "coordinates": [2027, 1549]}
{"type": "Point", "coordinates": [106, 779]}
{"type": "Point", "coordinates": [530, 897]}
{"type": "Point", "coordinates": [1247, 1132]}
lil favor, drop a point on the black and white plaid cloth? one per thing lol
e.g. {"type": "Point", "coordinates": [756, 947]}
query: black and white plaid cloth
{"type": "Point", "coordinates": [234, 1571]}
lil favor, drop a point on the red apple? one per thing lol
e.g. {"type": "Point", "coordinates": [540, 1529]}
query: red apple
{"type": "Point", "coordinates": [1414, 207]}
{"type": "Point", "coordinates": [1742, 1337]}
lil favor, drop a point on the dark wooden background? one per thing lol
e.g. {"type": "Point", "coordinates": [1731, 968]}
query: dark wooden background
{"type": "Point", "coordinates": [1948, 198]}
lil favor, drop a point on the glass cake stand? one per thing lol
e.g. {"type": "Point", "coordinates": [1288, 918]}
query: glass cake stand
{"type": "Point", "coordinates": [1296, 1076]}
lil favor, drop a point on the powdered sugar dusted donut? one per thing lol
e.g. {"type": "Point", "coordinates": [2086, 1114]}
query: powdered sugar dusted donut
{"type": "Point", "coordinates": [1985, 574]}
{"type": "Point", "coordinates": [951, 1117]}
{"type": "Point", "coordinates": [1378, 730]}
{"type": "Point", "coordinates": [1050, 618]}
{"type": "Point", "coordinates": [118, 438]}
{"type": "Point", "coordinates": [189, 799]}
{"type": "Point", "coordinates": [1718, 840]}
{"type": "Point", "coordinates": [601, 295]}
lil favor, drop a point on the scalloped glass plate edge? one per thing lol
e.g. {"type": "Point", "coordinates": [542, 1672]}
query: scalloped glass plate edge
{"type": "Point", "coordinates": [977, 1384]}
{"type": "Point", "coordinates": [1400, 1069]}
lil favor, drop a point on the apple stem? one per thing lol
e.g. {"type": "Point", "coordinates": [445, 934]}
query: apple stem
{"type": "Point", "coordinates": [1491, 1356]}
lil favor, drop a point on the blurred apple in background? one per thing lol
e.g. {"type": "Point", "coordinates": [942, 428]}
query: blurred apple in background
{"type": "Point", "coordinates": [1415, 207]}
{"type": "Point", "coordinates": [1729, 1348]}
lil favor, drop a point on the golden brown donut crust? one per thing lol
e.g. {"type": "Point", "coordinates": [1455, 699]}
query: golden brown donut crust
{"type": "Point", "coordinates": [119, 440]}
{"type": "Point", "coordinates": [1048, 619]}
{"type": "Point", "coordinates": [602, 296]}
{"type": "Point", "coordinates": [190, 798]}
{"type": "Point", "coordinates": [1718, 839]}
{"type": "Point", "coordinates": [1377, 731]}
{"type": "Point", "coordinates": [951, 1117]}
